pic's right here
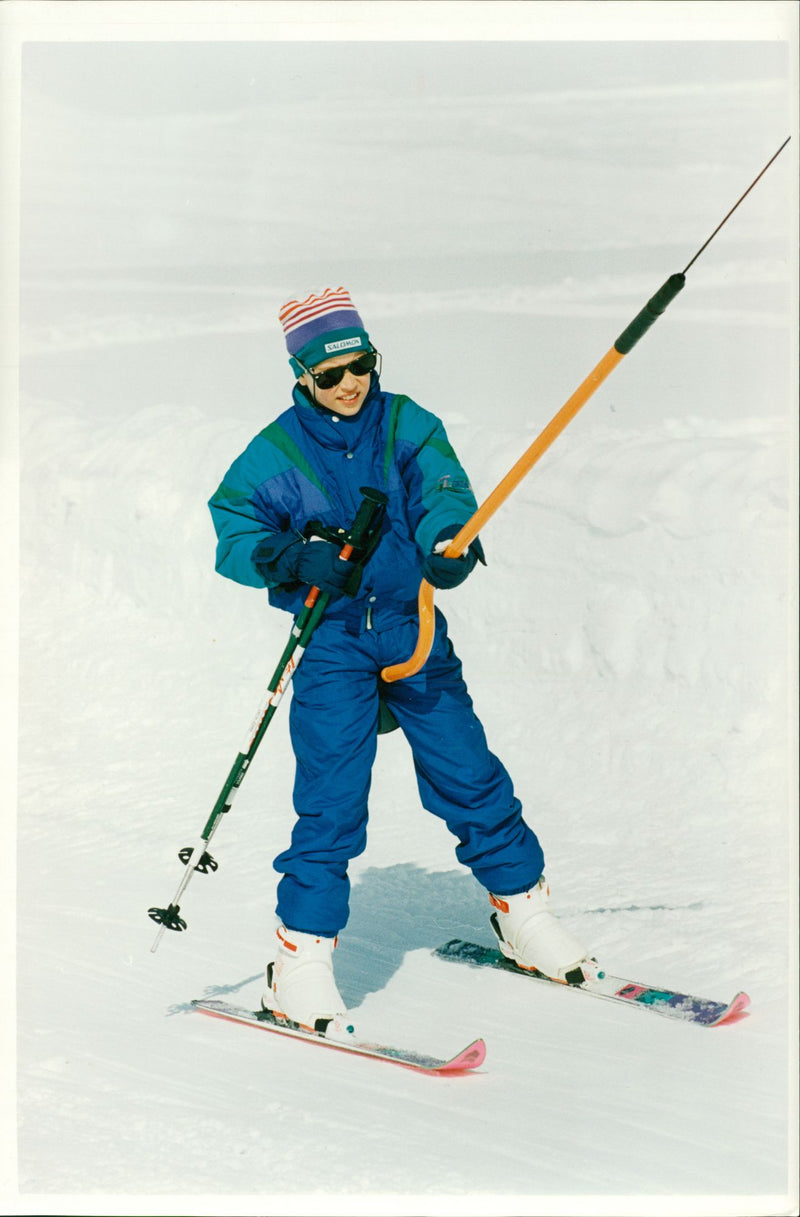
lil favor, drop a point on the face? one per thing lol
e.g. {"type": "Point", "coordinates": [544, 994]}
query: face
{"type": "Point", "coordinates": [348, 396]}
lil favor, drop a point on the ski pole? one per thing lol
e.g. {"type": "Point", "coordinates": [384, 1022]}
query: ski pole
{"type": "Point", "coordinates": [360, 541]}
{"type": "Point", "coordinates": [623, 345]}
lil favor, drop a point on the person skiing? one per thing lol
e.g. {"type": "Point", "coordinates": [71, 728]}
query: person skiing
{"type": "Point", "coordinates": [276, 514]}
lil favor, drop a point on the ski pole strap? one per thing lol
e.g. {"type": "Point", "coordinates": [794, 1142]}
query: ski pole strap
{"type": "Point", "coordinates": [626, 341]}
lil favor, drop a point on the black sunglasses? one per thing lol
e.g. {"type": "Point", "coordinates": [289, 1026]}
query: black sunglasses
{"type": "Point", "coordinates": [362, 365]}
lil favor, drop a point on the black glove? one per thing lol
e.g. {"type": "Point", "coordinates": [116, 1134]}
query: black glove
{"type": "Point", "coordinates": [449, 572]}
{"type": "Point", "coordinates": [319, 565]}
{"type": "Point", "coordinates": [289, 559]}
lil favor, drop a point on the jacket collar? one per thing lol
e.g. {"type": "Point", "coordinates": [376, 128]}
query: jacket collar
{"type": "Point", "coordinates": [344, 433]}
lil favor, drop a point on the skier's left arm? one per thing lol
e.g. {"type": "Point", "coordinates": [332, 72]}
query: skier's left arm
{"type": "Point", "coordinates": [441, 500]}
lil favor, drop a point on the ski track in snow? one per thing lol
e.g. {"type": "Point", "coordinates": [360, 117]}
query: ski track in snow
{"type": "Point", "coordinates": [626, 649]}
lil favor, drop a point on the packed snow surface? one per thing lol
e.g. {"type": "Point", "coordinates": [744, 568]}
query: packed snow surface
{"type": "Point", "coordinates": [628, 647]}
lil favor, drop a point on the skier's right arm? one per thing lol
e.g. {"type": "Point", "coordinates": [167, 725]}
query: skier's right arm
{"type": "Point", "coordinates": [245, 519]}
{"type": "Point", "coordinates": [258, 543]}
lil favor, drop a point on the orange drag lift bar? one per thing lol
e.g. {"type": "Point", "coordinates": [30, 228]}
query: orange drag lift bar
{"type": "Point", "coordinates": [626, 341]}
{"type": "Point", "coordinates": [463, 539]}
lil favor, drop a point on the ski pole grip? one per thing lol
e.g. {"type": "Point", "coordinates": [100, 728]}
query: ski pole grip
{"type": "Point", "coordinates": [649, 314]}
{"type": "Point", "coordinates": [363, 535]}
{"type": "Point", "coordinates": [368, 517]}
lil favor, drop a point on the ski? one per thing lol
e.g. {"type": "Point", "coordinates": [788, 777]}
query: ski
{"type": "Point", "coordinates": [682, 1006]}
{"type": "Point", "coordinates": [468, 1059]}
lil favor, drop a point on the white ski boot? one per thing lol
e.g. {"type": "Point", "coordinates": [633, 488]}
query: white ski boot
{"type": "Point", "coordinates": [530, 936]}
{"type": "Point", "coordinates": [300, 984]}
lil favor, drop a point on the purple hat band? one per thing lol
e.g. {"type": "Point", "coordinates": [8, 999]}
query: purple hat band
{"type": "Point", "coordinates": [322, 326]}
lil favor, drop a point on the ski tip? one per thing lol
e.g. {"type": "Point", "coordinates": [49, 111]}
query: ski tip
{"type": "Point", "coordinates": [472, 1057]}
{"type": "Point", "coordinates": [736, 1011]}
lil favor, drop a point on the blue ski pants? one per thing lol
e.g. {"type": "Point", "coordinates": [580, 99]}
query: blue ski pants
{"type": "Point", "coordinates": [333, 724]}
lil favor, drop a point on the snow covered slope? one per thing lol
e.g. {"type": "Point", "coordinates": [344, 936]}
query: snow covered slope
{"type": "Point", "coordinates": [629, 646]}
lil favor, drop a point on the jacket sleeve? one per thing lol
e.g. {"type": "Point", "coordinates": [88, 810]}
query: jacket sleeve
{"type": "Point", "coordinates": [440, 495]}
{"type": "Point", "coordinates": [243, 515]}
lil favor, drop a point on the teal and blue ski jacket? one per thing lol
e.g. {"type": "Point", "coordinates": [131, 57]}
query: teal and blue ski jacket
{"type": "Point", "coordinates": [310, 464]}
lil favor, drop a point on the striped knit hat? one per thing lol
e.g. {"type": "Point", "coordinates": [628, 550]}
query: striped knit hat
{"type": "Point", "coordinates": [321, 326]}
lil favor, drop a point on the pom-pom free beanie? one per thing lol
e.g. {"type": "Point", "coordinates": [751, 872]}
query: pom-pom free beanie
{"type": "Point", "coordinates": [321, 326]}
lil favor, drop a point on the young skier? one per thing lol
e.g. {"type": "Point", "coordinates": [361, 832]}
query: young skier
{"type": "Point", "coordinates": [341, 433]}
